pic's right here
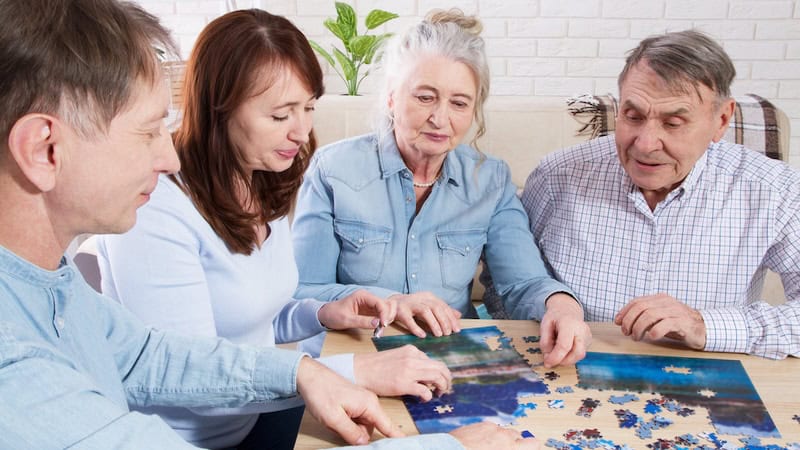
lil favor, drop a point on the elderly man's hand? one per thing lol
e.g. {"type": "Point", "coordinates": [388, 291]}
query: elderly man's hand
{"type": "Point", "coordinates": [661, 315]}
{"type": "Point", "coordinates": [565, 335]}
{"type": "Point", "coordinates": [490, 436]}
{"type": "Point", "coordinates": [349, 410]}
{"type": "Point", "coordinates": [402, 371]}
{"type": "Point", "coordinates": [440, 317]}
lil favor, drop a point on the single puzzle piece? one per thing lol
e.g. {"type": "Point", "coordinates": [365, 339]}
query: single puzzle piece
{"type": "Point", "coordinates": [662, 444]}
{"type": "Point", "coordinates": [442, 409]}
{"type": "Point", "coordinates": [592, 433]}
{"type": "Point", "coordinates": [527, 434]}
{"type": "Point", "coordinates": [660, 422]}
{"type": "Point", "coordinates": [687, 439]}
{"type": "Point", "coordinates": [626, 418]}
{"type": "Point", "coordinates": [522, 409]}
{"type": "Point", "coordinates": [714, 439]}
{"type": "Point", "coordinates": [796, 418]}
{"type": "Point", "coordinates": [555, 404]}
{"type": "Point", "coordinates": [685, 412]}
{"type": "Point", "coordinates": [530, 339]}
{"type": "Point", "coordinates": [644, 433]}
{"type": "Point", "coordinates": [551, 376]}
{"type": "Point", "coordinates": [534, 350]}
{"type": "Point", "coordinates": [622, 399]}
{"type": "Point", "coordinates": [565, 390]}
{"type": "Point", "coordinates": [652, 407]}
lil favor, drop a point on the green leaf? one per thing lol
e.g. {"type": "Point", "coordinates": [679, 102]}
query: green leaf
{"type": "Point", "coordinates": [361, 46]}
{"type": "Point", "coordinates": [378, 17]}
{"type": "Point", "coordinates": [376, 46]}
{"type": "Point", "coordinates": [322, 52]}
{"type": "Point", "coordinates": [348, 68]}
{"type": "Point", "coordinates": [346, 17]}
{"type": "Point", "coordinates": [336, 29]}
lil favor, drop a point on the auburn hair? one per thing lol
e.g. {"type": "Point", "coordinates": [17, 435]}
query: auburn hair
{"type": "Point", "coordinates": [231, 54]}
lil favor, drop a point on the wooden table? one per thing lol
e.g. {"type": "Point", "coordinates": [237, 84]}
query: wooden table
{"type": "Point", "coordinates": [777, 382]}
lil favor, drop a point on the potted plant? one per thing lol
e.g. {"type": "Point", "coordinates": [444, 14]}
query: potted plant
{"type": "Point", "coordinates": [359, 49]}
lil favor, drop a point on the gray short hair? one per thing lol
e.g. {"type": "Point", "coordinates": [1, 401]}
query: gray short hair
{"type": "Point", "coordinates": [442, 33]}
{"type": "Point", "coordinates": [75, 59]}
{"type": "Point", "coordinates": [685, 58]}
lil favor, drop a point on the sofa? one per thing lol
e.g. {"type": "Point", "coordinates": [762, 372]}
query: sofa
{"type": "Point", "coordinates": [522, 130]}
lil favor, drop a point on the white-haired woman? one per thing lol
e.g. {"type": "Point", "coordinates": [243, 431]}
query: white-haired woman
{"type": "Point", "coordinates": [408, 211]}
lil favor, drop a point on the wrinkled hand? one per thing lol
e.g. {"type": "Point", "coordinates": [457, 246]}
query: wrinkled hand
{"type": "Point", "coordinates": [351, 411]}
{"type": "Point", "coordinates": [441, 319]}
{"type": "Point", "coordinates": [402, 371]}
{"type": "Point", "coordinates": [661, 315]}
{"type": "Point", "coordinates": [490, 436]}
{"type": "Point", "coordinates": [565, 335]}
{"type": "Point", "coordinates": [361, 309]}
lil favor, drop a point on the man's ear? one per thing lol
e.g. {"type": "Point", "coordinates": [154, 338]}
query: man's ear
{"type": "Point", "coordinates": [31, 144]}
{"type": "Point", "coordinates": [723, 117]}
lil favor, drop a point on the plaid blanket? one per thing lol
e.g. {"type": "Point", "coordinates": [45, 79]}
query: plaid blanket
{"type": "Point", "coordinates": [754, 123]}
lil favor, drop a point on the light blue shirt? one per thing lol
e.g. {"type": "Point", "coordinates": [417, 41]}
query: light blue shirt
{"type": "Point", "coordinates": [708, 243]}
{"type": "Point", "coordinates": [72, 361]}
{"type": "Point", "coordinates": [356, 226]}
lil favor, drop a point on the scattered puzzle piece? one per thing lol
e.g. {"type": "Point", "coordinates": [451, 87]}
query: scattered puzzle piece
{"type": "Point", "coordinates": [587, 407]}
{"type": "Point", "coordinates": [552, 376]}
{"type": "Point", "coordinates": [622, 399]}
{"type": "Point", "coordinates": [555, 404]}
{"type": "Point", "coordinates": [534, 350]}
{"type": "Point", "coordinates": [796, 418]}
{"type": "Point", "coordinates": [527, 434]}
{"type": "Point", "coordinates": [564, 390]}
{"type": "Point", "coordinates": [530, 339]}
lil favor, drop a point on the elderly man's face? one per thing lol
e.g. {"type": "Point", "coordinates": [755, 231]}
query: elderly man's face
{"type": "Point", "coordinates": [661, 134]}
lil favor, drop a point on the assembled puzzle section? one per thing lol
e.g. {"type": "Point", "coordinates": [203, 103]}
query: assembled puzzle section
{"type": "Point", "coordinates": [607, 402]}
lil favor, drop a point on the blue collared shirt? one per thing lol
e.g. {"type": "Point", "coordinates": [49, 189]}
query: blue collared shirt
{"type": "Point", "coordinates": [708, 243]}
{"type": "Point", "coordinates": [356, 226]}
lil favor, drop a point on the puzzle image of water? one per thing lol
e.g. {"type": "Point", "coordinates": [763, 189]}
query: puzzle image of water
{"type": "Point", "coordinates": [488, 379]}
{"type": "Point", "coordinates": [720, 385]}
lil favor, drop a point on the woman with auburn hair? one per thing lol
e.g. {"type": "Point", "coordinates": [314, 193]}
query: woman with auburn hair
{"type": "Point", "coordinates": [211, 254]}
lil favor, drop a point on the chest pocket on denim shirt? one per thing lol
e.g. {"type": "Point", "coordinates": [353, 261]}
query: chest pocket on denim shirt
{"type": "Point", "coordinates": [459, 252]}
{"type": "Point", "coordinates": [363, 248]}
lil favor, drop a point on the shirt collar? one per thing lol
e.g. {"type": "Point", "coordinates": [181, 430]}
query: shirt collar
{"type": "Point", "coordinates": [22, 269]}
{"type": "Point", "coordinates": [686, 187]}
{"type": "Point", "coordinates": [391, 162]}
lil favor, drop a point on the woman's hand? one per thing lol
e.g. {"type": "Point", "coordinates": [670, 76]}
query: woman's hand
{"type": "Point", "coordinates": [441, 319]}
{"type": "Point", "coordinates": [402, 371]}
{"type": "Point", "coordinates": [361, 309]}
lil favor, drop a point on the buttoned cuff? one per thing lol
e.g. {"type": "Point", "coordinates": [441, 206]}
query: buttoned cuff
{"type": "Point", "coordinates": [275, 373]}
{"type": "Point", "coordinates": [726, 331]}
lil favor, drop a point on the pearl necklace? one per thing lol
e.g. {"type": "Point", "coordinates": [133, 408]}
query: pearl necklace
{"type": "Point", "coordinates": [428, 184]}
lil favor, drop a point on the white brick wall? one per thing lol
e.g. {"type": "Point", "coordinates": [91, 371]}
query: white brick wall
{"type": "Point", "coordinates": [563, 47]}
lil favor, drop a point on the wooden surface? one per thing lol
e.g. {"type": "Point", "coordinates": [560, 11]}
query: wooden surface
{"type": "Point", "coordinates": [775, 381]}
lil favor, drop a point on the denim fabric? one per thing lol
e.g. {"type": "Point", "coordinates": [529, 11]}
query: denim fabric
{"type": "Point", "coordinates": [71, 361]}
{"type": "Point", "coordinates": [356, 226]}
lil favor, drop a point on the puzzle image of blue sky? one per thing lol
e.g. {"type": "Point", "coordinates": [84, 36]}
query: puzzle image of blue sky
{"type": "Point", "coordinates": [721, 386]}
{"type": "Point", "coordinates": [489, 378]}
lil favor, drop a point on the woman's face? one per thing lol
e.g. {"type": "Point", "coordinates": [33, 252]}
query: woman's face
{"type": "Point", "coordinates": [268, 129]}
{"type": "Point", "coordinates": [433, 106]}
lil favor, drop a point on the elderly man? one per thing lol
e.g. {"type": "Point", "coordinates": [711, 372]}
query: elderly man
{"type": "Point", "coordinates": [664, 228]}
{"type": "Point", "coordinates": [82, 141]}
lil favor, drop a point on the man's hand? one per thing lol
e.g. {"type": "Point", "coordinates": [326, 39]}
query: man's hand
{"type": "Point", "coordinates": [565, 336]}
{"type": "Point", "coordinates": [343, 407]}
{"type": "Point", "coordinates": [658, 316]}
{"type": "Point", "coordinates": [441, 319]}
{"type": "Point", "coordinates": [490, 436]}
{"type": "Point", "coordinates": [402, 371]}
{"type": "Point", "coordinates": [361, 309]}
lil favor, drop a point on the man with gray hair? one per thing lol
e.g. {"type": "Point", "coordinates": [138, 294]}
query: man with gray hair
{"type": "Point", "coordinates": [664, 228]}
{"type": "Point", "coordinates": [82, 142]}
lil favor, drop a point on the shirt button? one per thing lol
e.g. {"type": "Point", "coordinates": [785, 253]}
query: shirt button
{"type": "Point", "coordinates": [408, 199]}
{"type": "Point", "coordinates": [467, 249]}
{"type": "Point", "coordinates": [413, 236]}
{"type": "Point", "coordinates": [413, 275]}
{"type": "Point", "coordinates": [360, 240]}
{"type": "Point", "coordinates": [59, 322]}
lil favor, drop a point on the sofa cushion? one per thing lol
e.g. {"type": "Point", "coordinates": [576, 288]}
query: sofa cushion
{"type": "Point", "coordinates": [757, 123]}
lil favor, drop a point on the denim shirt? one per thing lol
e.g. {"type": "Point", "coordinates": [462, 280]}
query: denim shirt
{"type": "Point", "coordinates": [71, 361]}
{"type": "Point", "coordinates": [356, 226]}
